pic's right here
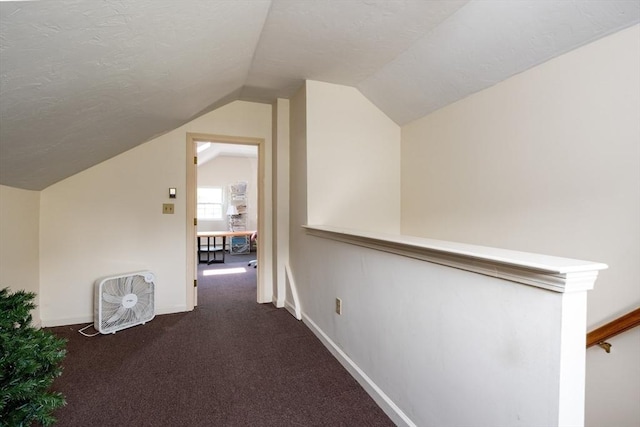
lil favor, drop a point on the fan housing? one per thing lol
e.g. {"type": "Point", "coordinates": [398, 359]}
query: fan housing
{"type": "Point", "coordinates": [123, 301]}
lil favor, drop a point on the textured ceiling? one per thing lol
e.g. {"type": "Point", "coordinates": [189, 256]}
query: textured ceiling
{"type": "Point", "coordinates": [82, 81]}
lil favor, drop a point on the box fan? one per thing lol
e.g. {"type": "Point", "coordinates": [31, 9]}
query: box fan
{"type": "Point", "coordinates": [123, 301]}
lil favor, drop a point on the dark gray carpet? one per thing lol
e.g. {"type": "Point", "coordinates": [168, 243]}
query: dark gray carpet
{"type": "Point", "coordinates": [230, 362]}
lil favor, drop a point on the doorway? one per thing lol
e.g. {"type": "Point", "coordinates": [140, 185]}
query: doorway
{"type": "Point", "coordinates": [242, 144]}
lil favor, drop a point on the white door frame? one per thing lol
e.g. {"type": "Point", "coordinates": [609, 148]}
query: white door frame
{"type": "Point", "coordinates": [192, 174]}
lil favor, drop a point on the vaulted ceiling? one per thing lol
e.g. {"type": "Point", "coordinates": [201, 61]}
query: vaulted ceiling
{"type": "Point", "coordinates": [82, 81]}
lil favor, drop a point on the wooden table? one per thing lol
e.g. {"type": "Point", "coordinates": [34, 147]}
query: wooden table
{"type": "Point", "coordinates": [210, 249]}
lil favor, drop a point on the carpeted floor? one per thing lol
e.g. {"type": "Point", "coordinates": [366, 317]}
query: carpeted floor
{"type": "Point", "coordinates": [230, 362]}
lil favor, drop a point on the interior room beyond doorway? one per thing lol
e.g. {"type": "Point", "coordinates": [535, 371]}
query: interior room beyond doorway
{"type": "Point", "coordinates": [227, 195]}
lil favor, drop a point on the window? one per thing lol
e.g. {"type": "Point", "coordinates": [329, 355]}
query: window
{"type": "Point", "coordinates": [210, 203]}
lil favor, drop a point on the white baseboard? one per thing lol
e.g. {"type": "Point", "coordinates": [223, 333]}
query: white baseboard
{"type": "Point", "coordinates": [49, 323]}
{"type": "Point", "coordinates": [385, 403]}
{"type": "Point", "coordinates": [171, 309]}
{"type": "Point", "coordinates": [292, 301]}
{"type": "Point", "coordinates": [291, 309]}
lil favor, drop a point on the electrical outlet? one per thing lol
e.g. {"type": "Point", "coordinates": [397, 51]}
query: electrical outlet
{"type": "Point", "coordinates": [338, 306]}
{"type": "Point", "coordinates": [167, 208]}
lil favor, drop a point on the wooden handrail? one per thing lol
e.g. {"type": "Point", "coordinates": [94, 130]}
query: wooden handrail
{"type": "Point", "coordinates": [613, 328]}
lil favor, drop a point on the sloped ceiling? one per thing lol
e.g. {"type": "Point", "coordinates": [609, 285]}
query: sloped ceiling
{"type": "Point", "coordinates": [208, 151]}
{"type": "Point", "coordinates": [82, 81]}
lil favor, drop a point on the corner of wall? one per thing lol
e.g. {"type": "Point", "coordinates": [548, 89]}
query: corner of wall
{"type": "Point", "coordinates": [353, 160]}
{"type": "Point", "coordinates": [20, 243]}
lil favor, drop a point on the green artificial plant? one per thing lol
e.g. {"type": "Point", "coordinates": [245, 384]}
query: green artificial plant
{"type": "Point", "coordinates": [29, 362]}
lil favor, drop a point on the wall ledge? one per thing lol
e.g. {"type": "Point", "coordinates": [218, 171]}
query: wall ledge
{"type": "Point", "coordinates": [542, 271]}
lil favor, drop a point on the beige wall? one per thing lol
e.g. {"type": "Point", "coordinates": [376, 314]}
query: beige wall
{"type": "Point", "coordinates": [280, 247]}
{"type": "Point", "coordinates": [19, 242]}
{"type": "Point", "coordinates": [108, 219]}
{"type": "Point", "coordinates": [353, 160]}
{"type": "Point", "coordinates": [549, 162]}
{"type": "Point", "coordinates": [223, 171]}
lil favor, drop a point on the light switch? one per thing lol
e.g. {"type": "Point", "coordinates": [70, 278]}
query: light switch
{"type": "Point", "coordinates": [167, 208]}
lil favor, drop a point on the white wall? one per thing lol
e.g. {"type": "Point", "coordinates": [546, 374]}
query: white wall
{"type": "Point", "coordinates": [19, 254]}
{"type": "Point", "coordinates": [297, 188]}
{"type": "Point", "coordinates": [548, 162]}
{"type": "Point", "coordinates": [353, 160]}
{"type": "Point", "coordinates": [280, 247]}
{"type": "Point", "coordinates": [434, 345]}
{"type": "Point", "coordinates": [446, 346]}
{"type": "Point", "coordinates": [223, 171]}
{"type": "Point", "coordinates": [108, 219]}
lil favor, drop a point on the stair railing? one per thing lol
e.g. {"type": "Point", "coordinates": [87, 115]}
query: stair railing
{"type": "Point", "coordinates": [600, 335]}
